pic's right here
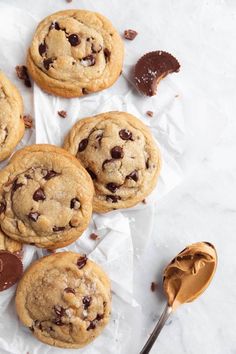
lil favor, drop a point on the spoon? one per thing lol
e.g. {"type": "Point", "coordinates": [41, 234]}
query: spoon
{"type": "Point", "coordinates": [185, 279]}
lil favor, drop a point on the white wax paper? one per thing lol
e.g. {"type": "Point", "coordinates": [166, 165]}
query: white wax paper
{"type": "Point", "coordinates": [179, 125]}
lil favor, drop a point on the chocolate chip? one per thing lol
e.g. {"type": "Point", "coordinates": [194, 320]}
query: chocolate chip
{"type": "Point", "coordinates": [74, 40]}
{"type": "Point", "coordinates": [54, 25]}
{"type": "Point", "coordinates": [75, 203]}
{"type": "Point", "coordinates": [113, 198]}
{"type": "Point", "coordinates": [92, 174]}
{"type": "Point", "coordinates": [84, 91]}
{"type": "Point", "coordinates": [99, 317]}
{"type": "Point", "coordinates": [58, 228]}
{"type": "Point", "coordinates": [27, 83]}
{"type": "Point", "coordinates": [16, 185]}
{"type": "Point", "coordinates": [59, 310]}
{"type": "Point", "coordinates": [105, 162]}
{"type": "Point", "coordinates": [150, 68]}
{"type": "Point", "coordinates": [92, 325]}
{"type": "Point", "coordinates": [47, 63]}
{"type": "Point", "coordinates": [81, 262]}
{"type": "Point", "coordinates": [130, 34]}
{"type": "Point", "coordinates": [89, 60]}
{"type": "Point", "coordinates": [62, 114]}
{"type": "Point", "coordinates": [153, 286]}
{"type": "Point", "coordinates": [86, 301]}
{"type": "Point", "coordinates": [22, 73]}
{"type": "Point", "coordinates": [50, 174]}
{"type": "Point", "coordinates": [149, 113]}
{"type": "Point", "coordinates": [69, 290]}
{"type": "Point", "coordinates": [93, 236]}
{"type": "Point", "coordinates": [125, 134]}
{"type": "Point", "coordinates": [112, 187]}
{"type": "Point", "coordinates": [147, 164]}
{"type": "Point", "coordinates": [28, 176]}
{"type": "Point", "coordinates": [117, 152]}
{"type": "Point", "coordinates": [133, 175]}
{"type": "Point", "coordinates": [3, 206]}
{"type": "Point", "coordinates": [34, 215]}
{"type": "Point", "coordinates": [39, 195]}
{"type": "Point", "coordinates": [42, 48]}
{"type": "Point", "coordinates": [82, 145]}
{"type": "Point", "coordinates": [107, 54]}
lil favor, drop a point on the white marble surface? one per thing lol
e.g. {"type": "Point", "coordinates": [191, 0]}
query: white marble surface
{"type": "Point", "coordinates": [203, 206]}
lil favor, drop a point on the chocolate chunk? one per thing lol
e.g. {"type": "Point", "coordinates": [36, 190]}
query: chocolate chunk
{"type": "Point", "coordinates": [92, 174]}
{"type": "Point", "coordinates": [92, 325]}
{"type": "Point", "coordinates": [117, 152]}
{"type": "Point", "coordinates": [62, 114]}
{"type": "Point", "coordinates": [99, 317]}
{"type": "Point", "coordinates": [47, 63]}
{"type": "Point", "coordinates": [42, 48]}
{"type": "Point", "coordinates": [113, 198]}
{"type": "Point", "coordinates": [151, 68]}
{"type": "Point", "coordinates": [84, 91]}
{"type": "Point", "coordinates": [130, 34]}
{"type": "Point", "coordinates": [16, 185]}
{"type": "Point", "coordinates": [74, 40]}
{"type": "Point", "coordinates": [81, 262]}
{"type": "Point", "coordinates": [75, 203]}
{"type": "Point", "coordinates": [149, 113]}
{"type": "Point", "coordinates": [96, 49]}
{"type": "Point", "coordinates": [82, 145]}
{"type": "Point", "coordinates": [28, 176]}
{"type": "Point", "coordinates": [112, 187]}
{"type": "Point", "coordinates": [34, 215]}
{"type": "Point", "coordinates": [54, 25]}
{"type": "Point", "coordinates": [86, 301]}
{"type": "Point", "coordinates": [125, 134]}
{"type": "Point", "coordinates": [22, 73]}
{"type": "Point", "coordinates": [147, 164]}
{"type": "Point", "coordinates": [59, 310]}
{"type": "Point", "coordinates": [153, 286]}
{"type": "Point", "coordinates": [3, 206]}
{"type": "Point", "coordinates": [69, 290]}
{"type": "Point", "coordinates": [107, 54]}
{"type": "Point", "coordinates": [133, 175]}
{"type": "Point", "coordinates": [207, 243]}
{"type": "Point", "coordinates": [11, 269]}
{"type": "Point", "coordinates": [39, 195]}
{"type": "Point", "coordinates": [94, 236]}
{"type": "Point", "coordinates": [50, 174]}
{"type": "Point", "coordinates": [89, 60]}
{"type": "Point", "coordinates": [58, 228]}
{"type": "Point", "coordinates": [105, 162]}
{"type": "Point", "coordinates": [28, 121]}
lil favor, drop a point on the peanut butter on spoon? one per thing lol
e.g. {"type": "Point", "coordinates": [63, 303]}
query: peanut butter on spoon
{"type": "Point", "coordinates": [185, 278]}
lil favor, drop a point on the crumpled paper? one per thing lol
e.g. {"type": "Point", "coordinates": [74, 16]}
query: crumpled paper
{"type": "Point", "coordinates": [122, 234]}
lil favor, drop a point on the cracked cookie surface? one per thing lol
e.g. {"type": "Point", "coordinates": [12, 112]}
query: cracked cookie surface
{"type": "Point", "coordinates": [120, 155]}
{"type": "Point", "coordinates": [64, 299]}
{"type": "Point", "coordinates": [45, 197]}
{"type": "Point", "coordinates": [11, 111]}
{"type": "Point", "coordinates": [75, 52]}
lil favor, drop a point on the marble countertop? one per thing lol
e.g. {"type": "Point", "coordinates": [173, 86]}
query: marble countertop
{"type": "Point", "coordinates": [203, 206]}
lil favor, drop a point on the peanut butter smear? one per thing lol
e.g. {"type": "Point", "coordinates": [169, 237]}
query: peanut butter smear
{"type": "Point", "coordinates": [189, 273]}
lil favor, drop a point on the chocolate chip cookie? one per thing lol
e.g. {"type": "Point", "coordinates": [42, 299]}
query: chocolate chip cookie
{"type": "Point", "coordinates": [11, 111]}
{"type": "Point", "coordinates": [64, 299]}
{"type": "Point", "coordinates": [7, 244]}
{"type": "Point", "coordinates": [45, 197]}
{"type": "Point", "coordinates": [120, 155]}
{"type": "Point", "coordinates": [75, 52]}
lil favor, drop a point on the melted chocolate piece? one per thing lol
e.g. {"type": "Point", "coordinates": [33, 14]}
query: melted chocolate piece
{"type": "Point", "coordinates": [150, 68]}
{"type": "Point", "coordinates": [130, 34]}
{"type": "Point", "coordinates": [42, 48]}
{"type": "Point", "coordinates": [50, 174]}
{"type": "Point", "coordinates": [58, 228]}
{"type": "Point", "coordinates": [54, 25]}
{"type": "Point", "coordinates": [39, 195]}
{"type": "Point", "coordinates": [84, 91]}
{"type": "Point", "coordinates": [69, 290]}
{"type": "Point", "coordinates": [125, 134]}
{"type": "Point", "coordinates": [147, 164]}
{"type": "Point", "coordinates": [59, 310]}
{"type": "Point", "coordinates": [105, 162]}
{"type": "Point", "coordinates": [99, 317]}
{"type": "Point", "coordinates": [16, 185]}
{"type": "Point", "coordinates": [92, 325]}
{"type": "Point", "coordinates": [75, 203]}
{"type": "Point", "coordinates": [82, 145]}
{"type": "Point", "coordinates": [117, 152]}
{"type": "Point", "coordinates": [34, 215]}
{"type": "Point", "coordinates": [107, 55]}
{"type": "Point", "coordinates": [112, 187]}
{"type": "Point", "coordinates": [11, 269]}
{"type": "Point", "coordinates": [81, 262]}
{"type": "Point", "coordinates": [133, 175]}
{"type": "Point", "coordinates": [3, 206]}
{"type": "Point", "coordinates": [92, 174]}
{"type": "Point", "coordinates": [74, 40]}
{"type": "Point", "coordinates": [113, 198]}
{"type": "Point", "coordinates": [86, 301]}
{"type": "Point", "coordinates": [89, 60]}
{"type": "Point", "coordinates": [47, 63]}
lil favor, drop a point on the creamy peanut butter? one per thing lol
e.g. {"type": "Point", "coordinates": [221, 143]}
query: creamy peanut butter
{"type": "Point", "coordinates": [189, 273]}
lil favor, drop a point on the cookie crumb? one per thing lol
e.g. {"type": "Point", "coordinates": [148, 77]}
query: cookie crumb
{"type": "Point", "coordinates": [153, 286]}
{"type": "Point", "coordinates": [62, 114]}
{"type": "Point", "coordinates": [149, 113]}
{"type": "Point", "coordinates": [28, 121]}
{"type": "Point", "coordinates": [22, 74]}
{"type": "Point", "coordinates": [130, 34]}
{"type": "Point", "coordinates": [144, 201]}
{"type": "Point", "coordinates": [94, 236]}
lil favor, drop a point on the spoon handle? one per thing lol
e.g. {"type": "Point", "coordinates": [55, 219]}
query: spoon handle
{"type": "Point", "coordinates": [151, 340]}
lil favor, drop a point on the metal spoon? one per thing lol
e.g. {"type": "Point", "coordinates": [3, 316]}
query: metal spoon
{"type": "Point", "coordinates": [185, 278]}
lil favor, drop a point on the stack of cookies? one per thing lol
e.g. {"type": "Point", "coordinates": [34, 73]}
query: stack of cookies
{"type": "Point", "coordinates": [47, 193]}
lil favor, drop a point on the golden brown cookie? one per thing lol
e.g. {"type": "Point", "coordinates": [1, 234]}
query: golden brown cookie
{"type": "Point", "coordinates": [64, 299]}
{"type": "Point", "coordinates": [11, 123]}
{"type": "Point", "coordinates": [7, 244]}
{"type": "Point", "coordinates": [75, 52]}
{"type": "Point", "coordinates": [45, 197]}
{"type": "Point", "coordinates": [120, 155]}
